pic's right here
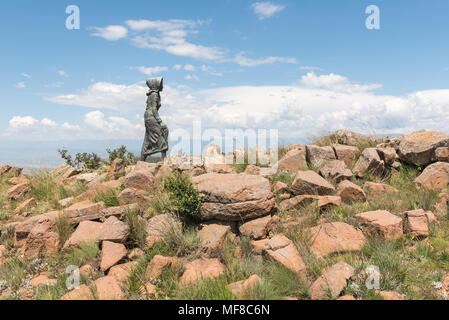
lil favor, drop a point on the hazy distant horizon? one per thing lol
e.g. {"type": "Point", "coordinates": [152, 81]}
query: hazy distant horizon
{"type": "Point", "coordinates": [36, 155]}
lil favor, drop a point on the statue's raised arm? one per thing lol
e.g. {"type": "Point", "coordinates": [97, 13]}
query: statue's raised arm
{"type": "Point", "coordinates": [156, 132]}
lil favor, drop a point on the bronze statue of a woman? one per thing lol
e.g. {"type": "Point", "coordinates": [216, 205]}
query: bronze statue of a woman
{"type": "Point", "coordinates": [156, 132]}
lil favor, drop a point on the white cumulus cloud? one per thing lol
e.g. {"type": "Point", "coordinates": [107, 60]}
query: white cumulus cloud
{"type": "Point", "coordinates": [266, 9]}
{"type": "Point", "coordinates": [111, 33]}
{"type": "Point", "coordinates": [150, 70]}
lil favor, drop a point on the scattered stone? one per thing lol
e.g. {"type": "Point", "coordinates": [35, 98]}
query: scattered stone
{"type": "Point", "coordinates": [233, 197]}
{"type": "Point", "coordinates": [335, 237]}
{"type": "Point", "coordinates": [159, 226]}
{"type": "Point", "coordinates": [310, 183]}
{"type": "Point", "coordinates": [390, 295]}
{"type": "Point", "coordinates": [42, 280]}
{"type": "Point", "coordinates": [241, 288]}
{"type": "Point", "coordinates": [416, 222]}
{"type": "Point", "coordinates": [350, 192]}
{"type": "Point", "coordinates": [281, 187]}
{"type": "Point", "coordinates": [325, 202]}
{"type": "Point", "coordinates": [87, 177]}
{"type": "Point", "coordinates": [114, 230]}
{"type": "Point", "coordinates": [375, 190]}
{"type": "Point", "coordinates": [87, 271]}
{"type": "Point", "coordinates": [111, 254]}
{"type": "Point", "coordinates": [18, 180]}
{"type": "Point", "coordinates": [282, 250]}
{"type": "Point", "coordinates": [442, 154]}
{"type": "Point", "coordinates": [43, 238]}
{"type": "Point", "coordinates": [369, 163]}
{"type": "Point", "coordinates": [202, 269]}
{"type": "Point", "coordinates": [301, 200]}
{"type": "Point", "coordinates": [64, 203]}
{"type": "Point", "coordinates": [121, 272]}
{"type": "Point", "coordinates": [418, 148]}
{"type": "Point", "coordinates": [140, 180]}
{"type": "Point", "coordinates": [117, 169]}
{"type": "Point", "coordinates": [108, 288]}
{"type": "Point", "coordinates": [131, 195]}
{"type": "Point", "coordinates": [195, 172]}
{"type": "Point", "coordinates": [335, 171]}
{"type": "Point", "coordinates": [388, 155]}
{"type": "Point", "coordinates": [82, 293]}
{"type": "Point", "coordinates": [331, 282]}
{"type": "Point", "coordinates": [97, 189]}
{"type": "Point", "coordinates": [347, 154]}
{"type": "Point", "coordinates": [71, 172]}
{"type": "Point", "coordinates": [381, 223]}
{"type": "Point", "coordinates": [148, 290]}
{"type": "Point", "coordinates": [252, 169]}
{"type": "Point", "coordinates": [118, 212]}
{"type": "Point", "coordinates": [434, 176]}
{"type": "Point", "coordinates": [293, 161]}
{"type": "Point", "coordinates": [87, 231]}
{"type": "Point", "coordinates": [318, 156]}
{"type": "Point", "coordinates": [212, 235]}
{"type": "Point", "coordinates": [7, 169]}
{"type": "Point", "coordinates": [18, 192]}
{"type": "Point", "coordinates": [157, 265]}
{"type": "Point", "coordinates": [146, 166]}
{"type": "Point", "coordinates": [135, 254]}
{"type": "Point", "coordinates": [257, 228]}
{"type": "Point", "coordinates": [163, 172]}
{"type": "Point", "coordinates": [83, 211]}
{"type": "Point", "coordinates": [26, 206]}
{"type": "Point", "coordinates": [351, 138]}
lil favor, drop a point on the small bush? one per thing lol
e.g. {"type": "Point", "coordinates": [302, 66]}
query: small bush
{"type": "Point", "coordinates": [122, 153]}
{"type": "Point", "coordinates": [137, 230]}
{"type": "Point", "coordinates": [185, 198]}
{"type": "Point", "coordinates": [84, 253]}
{"type": "Point", "coordinates": [85, 160]}
{"type": "Point", "coordinates": [110, 198]}
{"type": "Point", "coordinates": [64, 228]}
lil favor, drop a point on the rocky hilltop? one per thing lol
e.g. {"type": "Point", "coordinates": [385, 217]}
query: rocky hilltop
{"type": "Point", "coordinates": [346, 217]}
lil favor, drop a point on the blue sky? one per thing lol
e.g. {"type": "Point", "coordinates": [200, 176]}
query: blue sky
{"type": "Point", "coordinates": [303, 67]}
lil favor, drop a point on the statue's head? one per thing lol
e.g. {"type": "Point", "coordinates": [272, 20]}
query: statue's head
{"type": "Point", "coordinates": [155, 84]}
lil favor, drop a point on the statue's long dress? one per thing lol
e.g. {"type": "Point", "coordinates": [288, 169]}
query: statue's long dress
{"type": "Point", "coordinates": [156, 136]}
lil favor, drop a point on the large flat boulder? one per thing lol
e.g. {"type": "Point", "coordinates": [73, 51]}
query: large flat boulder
{"type": "Point", "coordinates": [293, 161]}
{"type": "Point", "coordinates": [84, 211]}
{"type": "Point", "coordinates": [87, 231]}
{"type": "Point", "coordinates": [381, 223]}
{"type": "Point", "coordinates": [369, 163]}
{"type": "Point", "coordinates": [434, 176]}
{"type": "Point", "coordinates": [141, 180]}
{"type": "Point", "coordinates": [241, 288]}
{"type": "Point", "coordinates": [111, 254]}
{"type": "Point", "coordinates": [335, 171]}
{"type": "Point", "coordinates": [202, 269]}
{"type": "Point", "coordinates": [283, 250]}
{"type": "Point", "coordinates": [318, 156]}
{"type": "Point", "coordinates": [335, 237]}
{"type": "Point", "coordinates": [332, 282]}
{"type": "Point", "coordinates": [213, 235]}
{"type": "Point", "coordinates": [159, 226]}
{"type": "Point", "coordinates": [18, 192]}
{"type": "Point", "coordinates": [233, 197]}
{"type": "Point", "coordinates": [375, 190]}
{"type": "Point", "coordinates": [347, 154]}
{"type": "Point", "coordinates": [419, 147]}
{"type": "Point", "coordinates": [350, 192]}
{"type": "Point", "coordinates": [311, 183]}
